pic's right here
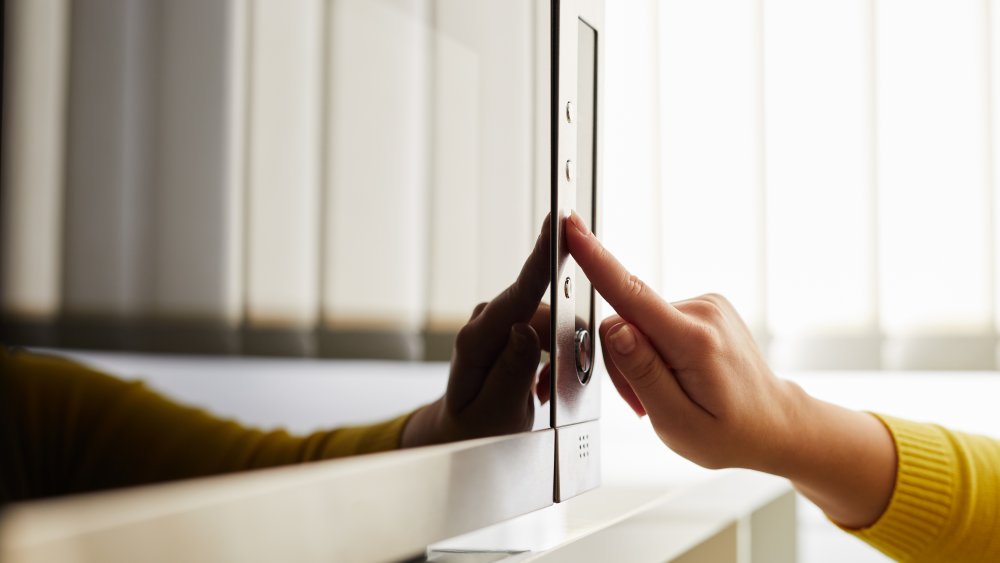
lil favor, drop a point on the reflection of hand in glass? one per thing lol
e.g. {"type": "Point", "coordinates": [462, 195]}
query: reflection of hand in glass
{"type": "Point", "coordinates": [493, 368]}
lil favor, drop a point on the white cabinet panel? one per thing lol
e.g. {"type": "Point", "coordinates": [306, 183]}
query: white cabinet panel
{"type": "Point", "coordinates": [110, 158]}
{"type": "Point", "coordinates": [375, 244]}
{"type": "Point", "coordinates": [283, 164]}
{"type": "Point", "coordinates": [198, 212]}
{"type": "Point", "coordinates": [35, 52]}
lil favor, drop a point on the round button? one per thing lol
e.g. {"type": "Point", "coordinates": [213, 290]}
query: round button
{"type": "Point", "coordinates": [584, 355]}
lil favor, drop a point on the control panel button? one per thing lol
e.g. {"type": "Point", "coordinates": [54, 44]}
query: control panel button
{"type": "Point", "coordinates": [584, 355]}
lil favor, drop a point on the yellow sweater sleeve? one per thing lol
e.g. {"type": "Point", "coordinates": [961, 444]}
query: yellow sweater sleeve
{"type": "Point", "coordinates": [65, 428]}
{"type": "Point", "coordinates": [946, 502]}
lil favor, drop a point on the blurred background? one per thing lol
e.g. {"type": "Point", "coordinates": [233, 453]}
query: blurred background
{"type": "Point", "coordinates": [827, 165]}
{"type": "Point", "coordinates": [830, 166]}
{"type": "Point", "coordinates": [348, 178]}
{"type": "Point", "coordinates": [335, 178]}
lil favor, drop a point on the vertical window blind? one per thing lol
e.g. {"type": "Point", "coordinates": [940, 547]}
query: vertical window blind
{"type": "Point", "coordinates": [336, 177]}
{"type": "Point", "coordinates": [828, 165]}
{"type": "Point", "coordinates": [200, 168]}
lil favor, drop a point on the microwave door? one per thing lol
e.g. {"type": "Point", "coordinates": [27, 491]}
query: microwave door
{"type": "Point", "coordinates": [576, 172]}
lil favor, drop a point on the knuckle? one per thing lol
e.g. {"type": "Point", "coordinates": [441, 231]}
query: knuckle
{"type": "Point", "coordinates": [706, 309]}
{"type": "Point", "coordinates": [465, 338]}
{"type": "Point", "coordinates": [478, 309]}
{"type": "Point", "coordinates": [645, 372]}
{"type": "Point", "coordinates": [634, 286]}
{"type": "Point", "coordinates": [720, 301]}
{"type": "Point", "coordinates": [713, 297]}
{"type": "Point", "coordinates": [705, 339]}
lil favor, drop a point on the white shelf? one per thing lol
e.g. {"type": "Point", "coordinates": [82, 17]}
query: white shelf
{"type": "Point", "coordinates": [738, 517]}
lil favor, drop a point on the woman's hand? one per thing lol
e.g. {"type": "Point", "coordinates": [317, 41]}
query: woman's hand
{"type": "Point", "coordinates": [695, 369]}
{"type": "Point", "coordinates": [692, 366]}
{"type": "Point", "coordinates": [491, 387]}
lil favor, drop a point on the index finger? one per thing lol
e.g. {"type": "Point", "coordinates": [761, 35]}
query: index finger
{"type": "Point", "coordinates": [487, 333]}
{"type": "Point", "coordinates": [518, 303]}
{"type": "Point", "coordinates": [628, 294]}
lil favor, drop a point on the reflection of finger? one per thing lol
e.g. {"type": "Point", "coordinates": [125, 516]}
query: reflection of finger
{"type": "Point", "coordinates": [508, 384]}
{"type": "Point", "coordinates": [478, 310]}
{"type": "Point", "coordinates": [541, 322]}
{"type": "Point", "coordinates": [648, 376]}
{"type": "Point", "coordinates": [517, 303]}
{"type": "Point", "coordinates": [543, 387]}
{"type": "Point", "coordinates": [624, 389]}
{"type": "Point", "coordinates": [625, 292]}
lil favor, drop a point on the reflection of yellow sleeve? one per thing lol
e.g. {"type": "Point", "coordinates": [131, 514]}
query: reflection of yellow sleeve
{"type": "Point", "coordinates": [946, 503]}
{"type": "Point", "coordinates": [65, 428]}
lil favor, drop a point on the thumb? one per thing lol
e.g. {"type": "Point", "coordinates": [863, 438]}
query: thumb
{"type": "Point", "coordinates": [509, 383]}
{"type": "Point", "coordinates": [662, 397]}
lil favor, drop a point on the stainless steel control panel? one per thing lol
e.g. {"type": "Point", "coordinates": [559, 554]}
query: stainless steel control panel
{"type": "Point", "coordinates": [578, 68]}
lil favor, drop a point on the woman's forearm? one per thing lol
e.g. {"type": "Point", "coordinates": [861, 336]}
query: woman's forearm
{"type": "Point", "coordinates": [842, 460]}
{"type": "Point", "coordinates": [693, 366]}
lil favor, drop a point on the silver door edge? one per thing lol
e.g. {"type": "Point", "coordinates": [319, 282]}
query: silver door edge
{"type": "Point", "coordinates": [376, 507]}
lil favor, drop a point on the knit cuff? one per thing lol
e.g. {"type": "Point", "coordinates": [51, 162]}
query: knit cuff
{"type": "Point", "coordinates": [923, 497]}
{"type": "Point", "coordinates": [356, 440]}
{"type": "Point", "coordinates": [381, 437]}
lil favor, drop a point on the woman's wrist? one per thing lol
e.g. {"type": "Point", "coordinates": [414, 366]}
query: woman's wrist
{"type": "Point", "coordinates": [843, 460]}
{"type": "Point", "coordinates": [422, 427]}
{"type": "Point", "coordinates": [788, 447]}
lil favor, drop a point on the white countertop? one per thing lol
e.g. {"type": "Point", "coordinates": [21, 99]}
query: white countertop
{"type": "Point", "coordinates": [304, 395]}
